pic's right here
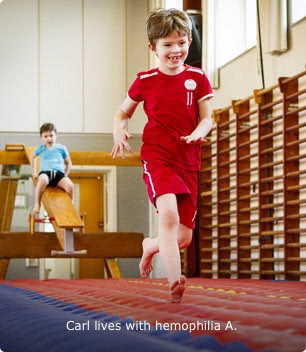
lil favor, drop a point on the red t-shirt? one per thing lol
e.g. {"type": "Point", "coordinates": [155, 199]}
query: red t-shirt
{"type": "Point", "coordinates": [171, 104]}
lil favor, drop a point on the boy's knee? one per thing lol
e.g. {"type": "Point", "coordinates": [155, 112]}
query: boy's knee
{"type": "Point", "coordinates": [184, 242]}
{"type": "Point", "coordinates": [170, 218]}
{"type": "Point", "coordinates": [70, 190]}
{"type": "Point", "coordinates": [184, 238]}
{"type": "Point", "coordinates": [43, 181]}
{"type": "Point", "coordinates": [68, 186]}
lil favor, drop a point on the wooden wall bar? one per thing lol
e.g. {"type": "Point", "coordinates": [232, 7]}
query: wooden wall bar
{"type": "Point", "coordinates": [223, 194]}
{"type": "Point", "coordinates": [252, 204]}
{"type": "Point", "coordinates": [205, 237]}
{"type": "Point", "coordinates": [243, 195]}
{"type": "Point", "coordinates": [289, 88]}
{"type": "Point", "coordinates": [266, 189]}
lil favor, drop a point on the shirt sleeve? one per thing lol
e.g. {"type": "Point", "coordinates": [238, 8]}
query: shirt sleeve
{"type": "Point", "coordinates": [135, 91]}
{"type": "Point", "coordinates": [38, 150]}
{"type": "Point", "coordinates": [205, 90]}
{"type": "Point", "coordinates": [64, 151]}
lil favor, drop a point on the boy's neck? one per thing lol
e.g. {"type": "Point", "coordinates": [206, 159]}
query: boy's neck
{"type": "Point", "coordinates": [173, 72]}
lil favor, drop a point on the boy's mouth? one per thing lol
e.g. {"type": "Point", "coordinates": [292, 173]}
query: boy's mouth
{"type": "Point", "coordinates": [174, 59]}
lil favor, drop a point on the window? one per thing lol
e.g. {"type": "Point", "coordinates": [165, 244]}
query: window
{"type": "Point", "coordinates": [235, 24]}
{"type": "Point", "coordinates": [298, 10]}
{"type": "Point", "coordinates": [178, 4]}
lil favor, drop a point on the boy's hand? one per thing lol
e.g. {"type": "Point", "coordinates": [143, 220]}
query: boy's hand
{"type": "Point", "coordinates": [121, 136]}
{"type": "Point", "coordinates": [194, 138]}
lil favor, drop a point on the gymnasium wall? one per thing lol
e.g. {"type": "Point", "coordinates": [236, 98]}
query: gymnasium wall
{"type": "Point", "coordinates": [238, 79]}
{"type": "Point", "coordinates": [241, 76]}
{"type": "Point", "coordinates": [69, 62]}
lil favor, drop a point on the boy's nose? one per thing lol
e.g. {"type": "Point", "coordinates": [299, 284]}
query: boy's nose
{"type": "Point", "coordinates": [175, 48]}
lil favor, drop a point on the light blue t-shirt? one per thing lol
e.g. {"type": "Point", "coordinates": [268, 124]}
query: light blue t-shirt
{"type": "Point", "coordinates": [52, 158]}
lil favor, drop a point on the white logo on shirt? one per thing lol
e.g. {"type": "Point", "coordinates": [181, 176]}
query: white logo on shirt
{"type": "Point", "coordinates": [190, 84]}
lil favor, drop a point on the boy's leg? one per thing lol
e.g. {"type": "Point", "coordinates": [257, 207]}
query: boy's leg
{"type": "Point", "coordinates": [168, 244]}
{"type": "Point", "coordinates": [168, 226]}
{"type": "Point", "coordinates": [151, 247]}
{"type": "Point", "coordinates": [66, 184]}
{"type": "Point", "coordinates": [42, 183]}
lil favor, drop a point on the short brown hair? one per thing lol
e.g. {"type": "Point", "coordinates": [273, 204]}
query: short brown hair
{"type": "Point", "coordinates": [47, 127]}
{"type": "Point", "coordinates": [163, 22]}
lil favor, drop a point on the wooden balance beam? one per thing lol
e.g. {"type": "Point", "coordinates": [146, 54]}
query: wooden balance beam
{"type": "Point", "coordinates": [25, 245]}
{"type": "Point", "coordinates": [18, 157]}
{"type": "Point", "coordinates": [59, 206]}
{"type": "Point", "coordinates": [98, 245]}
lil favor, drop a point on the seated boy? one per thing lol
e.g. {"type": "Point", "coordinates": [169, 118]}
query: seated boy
{"type": "Point", "coordinates": [55, 165]}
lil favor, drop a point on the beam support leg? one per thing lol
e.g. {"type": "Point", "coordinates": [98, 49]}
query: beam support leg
{"type": "Point", "coordinates": [68, 245]}
{"type": "Point", "coordinates": [8, 190]}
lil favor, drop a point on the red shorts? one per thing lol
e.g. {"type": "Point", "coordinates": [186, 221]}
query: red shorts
{"type": "Point", "coordinates": [162, 178]}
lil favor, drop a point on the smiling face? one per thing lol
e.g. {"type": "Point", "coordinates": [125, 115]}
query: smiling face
{"type": "Point", "coordinates": [172, 51]}
{"type": "Point", "coordinates": [48, 138]}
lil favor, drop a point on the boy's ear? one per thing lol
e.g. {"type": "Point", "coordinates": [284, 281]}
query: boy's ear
{"type": "Point", "coordinates": [151, 47]}
{"type": "Point", "coordinates": [190, 41]}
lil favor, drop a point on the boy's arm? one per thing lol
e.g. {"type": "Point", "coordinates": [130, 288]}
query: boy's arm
{"type": "Point", "coordinates": [33, 165]}
{"type": "Point", "coordinates": [204, 125]}
{"type": "Point", "coordinates": [120, 132]}
{"type": "Point", "coordinates": [68, 165]}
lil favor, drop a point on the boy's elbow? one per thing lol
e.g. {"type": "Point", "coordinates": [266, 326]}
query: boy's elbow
{"type": "Point", "coordinates": [124, 115]}
{"type": "Point", "coordinates": [209, 122]}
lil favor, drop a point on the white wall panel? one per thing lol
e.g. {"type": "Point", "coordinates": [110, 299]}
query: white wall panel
{"type": "Point", "coordinates": [137, 53]}
{"type": "Point", "coordinates": [240, 76]}
{"type": "Point", "coordinates": [18, 65]}
{"type": "Point", "coordinates": [61, 64]}
{"type": "Point", "coordinates": [104, 62]}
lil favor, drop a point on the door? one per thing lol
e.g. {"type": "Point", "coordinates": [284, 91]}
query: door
{"type": "Point", "coordinates": [91, 194]}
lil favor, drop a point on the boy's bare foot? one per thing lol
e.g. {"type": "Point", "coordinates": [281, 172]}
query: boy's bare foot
{"type": "Point", "coordinates": [35, 210]}
{"type": "Point", "coordinates": [177, 290]}
{"type": "Point", "coordinates": [145, 265]}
